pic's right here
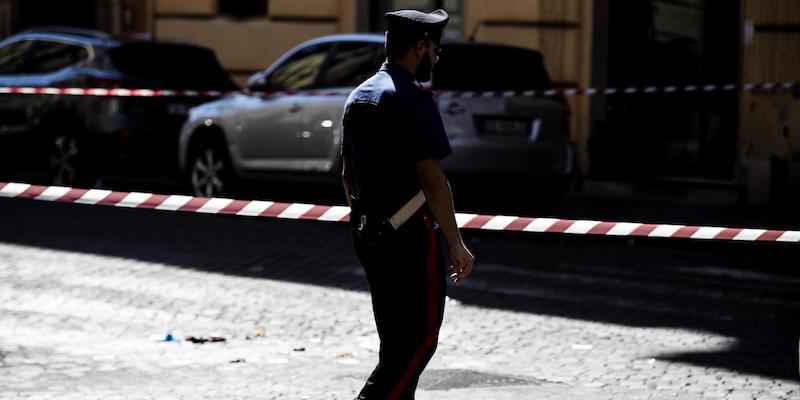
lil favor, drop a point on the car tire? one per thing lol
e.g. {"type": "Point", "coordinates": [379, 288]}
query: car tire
{"type": "Point", "coordinates": [67, 162]}
{"type": "Point", "coordinates": [210, 171]}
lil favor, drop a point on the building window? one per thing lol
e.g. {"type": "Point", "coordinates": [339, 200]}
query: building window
{"type": "Point", "coordinates": [678, 22]}
{"type": "Point", "coordinates": [243, 8]}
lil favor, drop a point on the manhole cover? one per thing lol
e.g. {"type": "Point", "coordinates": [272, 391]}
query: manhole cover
{"type": "Point", "coordinates": [446, 379]}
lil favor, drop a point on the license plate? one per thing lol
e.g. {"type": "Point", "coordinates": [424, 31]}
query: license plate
{"type": "Point", "coordinates": [506, 126]}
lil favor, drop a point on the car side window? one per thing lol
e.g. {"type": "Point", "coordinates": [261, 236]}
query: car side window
{"type": "Point", "coordinates": [352, 64]}
{"type": "Point", "coordinates": [52, 56]}
{"type": "Point", "coordinates": [14, 57]}
{"type": "Point", "coordinates": [300, 71]}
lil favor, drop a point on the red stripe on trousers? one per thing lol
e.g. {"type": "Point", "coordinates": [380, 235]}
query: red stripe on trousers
{"type": "Point", "coordinates": [432, 317]}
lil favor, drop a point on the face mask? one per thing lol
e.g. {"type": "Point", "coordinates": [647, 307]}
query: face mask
{"type": "Point", "coordinates": [425, 68]}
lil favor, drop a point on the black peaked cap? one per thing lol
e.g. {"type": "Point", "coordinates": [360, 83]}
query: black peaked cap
{"type": "Point", "coordinates": [431, 24]}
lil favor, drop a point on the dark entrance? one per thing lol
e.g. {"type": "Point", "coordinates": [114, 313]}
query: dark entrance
{"type": "Point", "coordinates": [672, 136]}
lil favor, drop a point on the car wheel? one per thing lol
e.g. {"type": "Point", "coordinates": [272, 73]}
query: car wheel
{"type": "Point", "coordinates": [66, 161]}
{"type": "Point", "coordinates": [210, 173]}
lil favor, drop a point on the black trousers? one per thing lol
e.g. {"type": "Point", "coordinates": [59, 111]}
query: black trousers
{"type": "Point", "coordinates": [407, 280]}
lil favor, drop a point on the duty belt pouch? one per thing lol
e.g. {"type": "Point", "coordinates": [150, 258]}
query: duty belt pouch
{"type": "Point", "coordinates": [372, 229]}
{"type": "Point", "coordinates": [368, 227]}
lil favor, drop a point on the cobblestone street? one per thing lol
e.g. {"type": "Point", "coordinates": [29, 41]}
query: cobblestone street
{"type": "Point", "coordinates": [88, 296]}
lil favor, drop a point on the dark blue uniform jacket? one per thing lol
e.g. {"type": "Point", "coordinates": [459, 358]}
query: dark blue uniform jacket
{"type": "Point", "coordinates": [390, 124]}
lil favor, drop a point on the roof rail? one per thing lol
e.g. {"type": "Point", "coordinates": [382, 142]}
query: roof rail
{"type": "Point", "coordinates": [67, 30]}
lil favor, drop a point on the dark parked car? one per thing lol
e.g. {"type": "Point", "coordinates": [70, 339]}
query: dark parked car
{"type": "Point", "coordinates": [521, 138]}
{"type": "Point", "coordinates": [75, 138]}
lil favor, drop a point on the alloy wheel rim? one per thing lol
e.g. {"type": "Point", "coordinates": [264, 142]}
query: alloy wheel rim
{"type": "Point", "coordinates": [207, 174]}
{"type": "Point", "coordinates": [63, 160]}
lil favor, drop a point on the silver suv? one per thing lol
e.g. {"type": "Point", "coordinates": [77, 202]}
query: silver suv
{"type": "Point", "coordinates": [297, 135]}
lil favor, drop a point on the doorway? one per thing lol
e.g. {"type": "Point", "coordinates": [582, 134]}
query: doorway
{"type": "Point", "coordinates": [676, 136]}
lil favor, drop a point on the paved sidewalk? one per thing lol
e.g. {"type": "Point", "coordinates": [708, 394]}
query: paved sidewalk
{"type": "Point", "coordinates": [78, 326]}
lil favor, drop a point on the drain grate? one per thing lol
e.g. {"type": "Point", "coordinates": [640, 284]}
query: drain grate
{"type": "Point", "coordinates": [446, 379]}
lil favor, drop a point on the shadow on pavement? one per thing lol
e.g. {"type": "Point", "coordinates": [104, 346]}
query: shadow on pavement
{"type": "Point", "coordinates": [747, 292]}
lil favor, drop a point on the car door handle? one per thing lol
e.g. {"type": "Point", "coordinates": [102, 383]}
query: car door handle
{"type": "Point", "coordinates": [295, 108]}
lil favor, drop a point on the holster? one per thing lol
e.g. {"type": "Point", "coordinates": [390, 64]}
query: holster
{"type": "Point", "coordinates": [375, 229]}
{"type": "Point", "coordinates": [369, 227]}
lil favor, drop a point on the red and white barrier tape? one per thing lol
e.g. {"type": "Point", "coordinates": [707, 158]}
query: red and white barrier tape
{"type": "Point", "coordinates": [116, 92]}
{"type": "Point", "coordinates": [564, 92]}
{"type": "Point", "coordinates": [341, 214]}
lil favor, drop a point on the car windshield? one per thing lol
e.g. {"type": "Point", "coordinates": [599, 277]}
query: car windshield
{"type": "Point", "coordinates": [469, 67]}
{"type": "Point", "coordinates": [172, 66]}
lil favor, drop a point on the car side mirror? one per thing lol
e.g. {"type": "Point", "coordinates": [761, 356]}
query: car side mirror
{"type": "Point", "coordinates": [258, 82]}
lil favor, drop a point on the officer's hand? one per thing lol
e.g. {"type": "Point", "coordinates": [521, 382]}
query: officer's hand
{"type": "Point", "coordinates": [462, 261]}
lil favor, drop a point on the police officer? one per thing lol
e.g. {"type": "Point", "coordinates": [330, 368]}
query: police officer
{"type": "Point", "coordinates": [393, 142]}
